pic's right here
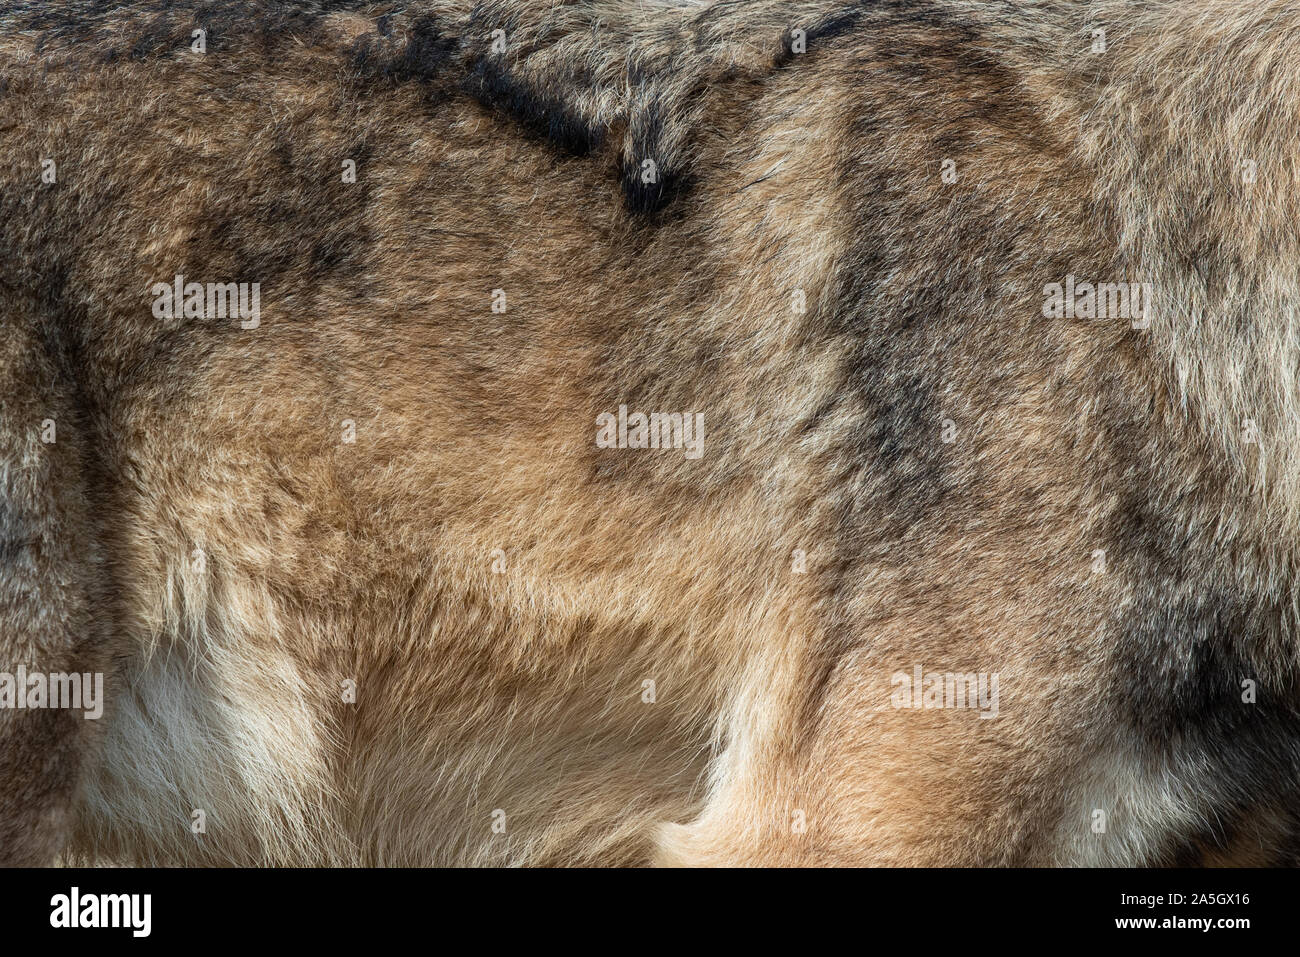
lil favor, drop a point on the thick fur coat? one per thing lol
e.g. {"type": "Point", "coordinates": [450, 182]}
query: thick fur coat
{"type": "Point", "coordinates": [367, 589]}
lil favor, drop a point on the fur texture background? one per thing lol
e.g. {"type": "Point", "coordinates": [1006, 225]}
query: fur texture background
{"type": "Point", "coordinates": [496, 585]}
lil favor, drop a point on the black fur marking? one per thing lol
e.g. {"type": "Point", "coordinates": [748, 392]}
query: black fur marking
{"type": "Point", "coordinates": [646, 194]}
{"type": "Point", "coordinates": [161, 28]}
{"type": "Point", "coordinates": [1180, 655]}
{"type": "Point", "coordinates": [252, 236]}
{"type": "Point", "coordinates": [1287, 853]}
{"type": "Point", "coordinates": [546, 114]}
{"type": "Point", "coordinates": [834, 25]}
{"type": "Point", "coordinates": [424, 57]}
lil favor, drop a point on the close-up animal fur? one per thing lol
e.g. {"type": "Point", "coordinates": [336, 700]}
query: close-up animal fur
{"type": "Point", "coordinates": [602, 432]}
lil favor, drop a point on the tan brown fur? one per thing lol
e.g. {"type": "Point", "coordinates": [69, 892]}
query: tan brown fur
{"type": "Point", "coordinates": [522, 691]}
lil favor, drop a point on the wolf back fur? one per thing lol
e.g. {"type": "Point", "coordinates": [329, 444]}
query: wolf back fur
{"type": "Point", "coordinates": [367, 591]}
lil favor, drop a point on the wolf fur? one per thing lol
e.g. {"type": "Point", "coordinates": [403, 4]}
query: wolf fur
{"type": "Point", "coordinates": [366, 590]}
